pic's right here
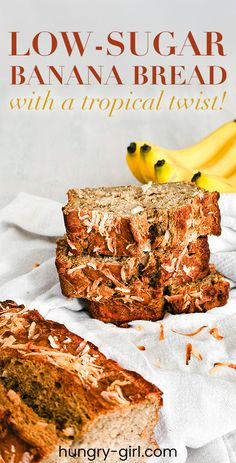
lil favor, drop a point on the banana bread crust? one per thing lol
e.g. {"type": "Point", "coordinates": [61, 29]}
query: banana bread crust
{"type": "Point", "coordinates": [150, 222]}
{"type": "Point", "coordinates": [42, 363]}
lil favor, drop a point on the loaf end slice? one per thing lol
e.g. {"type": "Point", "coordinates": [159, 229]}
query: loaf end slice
{"type": "Point", "coordinates": [43, 364]}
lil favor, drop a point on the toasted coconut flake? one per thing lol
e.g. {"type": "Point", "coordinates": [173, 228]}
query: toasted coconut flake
{"type": "Point", "coordinates": [31, 330]}
{"type": "Point", "coordinates": [102, 224]}
{"type": "Point", "coordinates": [111, 277]}
{"type": "Point", "coordinates": [82, 217]}
{"type": "Point", "coordinates": [141, 347]}
{"type": "Point", "coordinates": [191, 351]}
{"type": "Point", "coordinates": [188, 353]}
{"type": "Point", "coordinates": [129, 245]}
{"type": "Point", "coordinates": [111, 244]}
{"type": "Point", "coordinates": [123, 274]}
{"type": "Point", "coordinates": [162, 333]}
{"type": "Point", "coordinates": [83, 364]}
{"type": "Point", "coordinates": [8, 342]}
{"type": "Point", "coordinates": [82, 345]}
{"type": "Point", "coordinates": [225, 364]}
{"type": "Point", "coordinates": [215, 332]}
{"type": "Point", "coordinates": [197, 354]}
{"type": "Point", "coordinates": [69, 432]}
{"type": "Point", "coordinates": [138, 327]}
{"type": "Point", "coordinates": [167, 236]}
{"type": "Point", "coordinates": [35, 265]}
{"type": "Point", "coordinates": [19, 346]}
{"type": "Point", "coordinates": [137, 298]}
{"type": "Point", "coordinates": [147, 248]}
{"type": "Point", "coordinates": [114, 395]}
{"type": "Point", "coordinates": [67, 340]}
{"type": "Point", "coordinates": [53, 342]}
{"type": "Point", "coordinates": [195, 293]}
{"type": "Point", "coordinates": [26, 457]}
{"type": "Point", "coordinates": [146, 186]}
{"type": "Point", "coordinates": [98, 298]}
{"type": "Point", "coordinates": [191, 334]}
{"type": "Point", "coordinates": [72, 246]}
{"type": "Point", "coordinates": [124, 325]}
{"type": "Point", "coordinates": [157, 363]}
{"type": "Point", "coordinates": [74, 269]}
{"type": "Point", "coordinates": [187, 270]}
{"type": "Point", "coordinates": [214, 370]}
{"type": "Point", "coordinates": [122, 290]}
{"type": "Point", "coordinates": [92, 265]}
{"type": "Point", "coordinates": [137, 209]}
{"type": "Point", "coordinates": [168, 268]}
{"type": "Point", "coordinates": [13, 397]}
{"type": "Point", "coordinates": [96, 249]}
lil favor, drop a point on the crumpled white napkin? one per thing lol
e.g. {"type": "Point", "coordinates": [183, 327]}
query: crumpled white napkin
{"type": "Point", "coordinates": [223, 248]}
{"type": "Point", "coordinates": [198, 408]}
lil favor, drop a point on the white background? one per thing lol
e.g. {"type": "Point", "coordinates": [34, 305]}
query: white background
{"type": "Point", "coordinates": [46, 153]}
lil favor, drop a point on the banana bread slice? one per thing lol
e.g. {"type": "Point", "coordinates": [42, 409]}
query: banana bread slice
{"type": "Point", "coordinates": [58, 389]}
{"type": "Point", "coordinates": [129, 279]}
{"type": "Point", "coordinates": [198, 296]}
{"type": "Point", "coordinates": [128, 220]}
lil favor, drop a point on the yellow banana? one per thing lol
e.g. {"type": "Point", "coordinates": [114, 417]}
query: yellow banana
{"type": "Point", "coordinates": [166, 172]}
{"type": "Point", "coordinates": [215, 155]}
{"type": "Point", "coordinates": [225, 164]}
{"type": "Point", "coordinates": [210, 150]}
{"type": "Point", "coordinates": [149, 155]}
{"type": "Point", "coordinates": [213, 183]}
{"type": "Point", "coordinates": [232, 178]}
{"type": "Point", "coordinates": [133, 160]}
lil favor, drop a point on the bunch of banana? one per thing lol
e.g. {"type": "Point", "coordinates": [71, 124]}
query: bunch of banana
{"type": "Point", "coordinates": [214, 157]}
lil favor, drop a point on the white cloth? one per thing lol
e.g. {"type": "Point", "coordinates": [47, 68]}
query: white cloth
{"type": "Point", "coordinates": [198, 408]}
{"type": "Point", "coordinates": [223, 248]}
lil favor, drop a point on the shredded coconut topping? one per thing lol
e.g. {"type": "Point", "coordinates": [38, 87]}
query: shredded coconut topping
{"type": "Point", "coordinates": [72, 246]}
{"type": "Point", "coordinates": [215, 332]}
{"type": "Point", "coordinates": [114, 394]}
{"type": "Point", "coordinates": [31, 330]}
{"type": "Point", "coordinates": [82, 364]}
{"type": "Point", "coordinates": [74, 269]}
{"type": "Point", "coordinates": [26, 457]}
{"type": "Point", "coordinates": [92, 265]}
{"type": "Point", "coordinates": [137, 209]}
{"type": "Point", "coordinates": [122, 290]}
{"type": "Point", "coordinates": [53, 340]}
{"type": "Point", "coordinates": [193, 333]}
{"type": "Point", "coordinates": [146, 186]}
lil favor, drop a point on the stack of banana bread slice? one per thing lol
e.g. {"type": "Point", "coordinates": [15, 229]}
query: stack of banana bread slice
{"type": "Point", "coordinates": [136, 252]}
